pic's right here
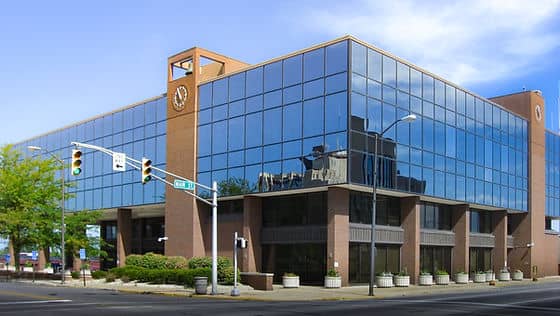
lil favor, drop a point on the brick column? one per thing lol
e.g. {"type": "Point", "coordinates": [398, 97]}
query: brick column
{"type": "Point", "coordinates": [252, 224]}
{"type": "Point", "coordinates": [410, 251]}
{"type": "Point", "coordinates": [124, 235]}
{"type": "Point", "coordinates": [338, 231]}
{"type": "Point", "coordinates": [499, 252]}
{"type": "Point", "coordinates": [461, 228]}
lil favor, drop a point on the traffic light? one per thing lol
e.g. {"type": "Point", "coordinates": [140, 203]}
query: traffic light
{"type": "Point", "coordinates": [76, 162]}
{"type": "Point", "coordinates": [146, 170]}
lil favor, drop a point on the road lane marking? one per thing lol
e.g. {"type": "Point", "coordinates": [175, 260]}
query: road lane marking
{"type": "Point", "coordinates": [509, 306]}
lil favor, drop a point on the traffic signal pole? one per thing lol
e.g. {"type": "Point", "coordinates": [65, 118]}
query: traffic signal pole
{"type": "Point", "coordinates": [140, 165]}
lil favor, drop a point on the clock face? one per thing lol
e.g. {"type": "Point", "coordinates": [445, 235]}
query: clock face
{"type": "Point", "coordinates": [180, 97]}
{"type": "Point", "coordinates": [538, 112]}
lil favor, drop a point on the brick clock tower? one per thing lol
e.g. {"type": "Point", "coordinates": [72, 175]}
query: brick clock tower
{"type": "Point", "coordinates": [185, 223]}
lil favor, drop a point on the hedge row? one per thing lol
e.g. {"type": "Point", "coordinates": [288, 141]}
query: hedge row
{"type": "Point", "coordinates": [160, 262]}
{"type": "Point", "coordinates": [162, 276]}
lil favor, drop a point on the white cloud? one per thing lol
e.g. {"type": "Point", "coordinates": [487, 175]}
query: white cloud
{"type": "Point", "coordinates": [463, 41]}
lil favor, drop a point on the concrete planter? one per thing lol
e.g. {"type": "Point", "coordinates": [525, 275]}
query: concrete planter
{"type": "Point", "coordinates": [384, 281]}
{"type": "Point", "coordinates": [401, 280]}
{"type": "Point", "coordinates": [517, 276]}
{"type": "Point", "coordinates": [201, 285]}
{"type": "Point", "coordinates": [290, 281]}
{"type": "Point", "coordinates": [461, 278]}
{"type": "Point", "coordinates": [333, 282]}
{"type": "Point", "coordinates": [503, 276]}
{"type": "Point", "coordinates": [27, 269]}
{"type": "Point", "coordinates": [442, 279]}
{"type": "Point", "coordinates": [490, 276]}
{"type": "Point", "coordinates": [425, 280]}
{"type": "Point", "coordinates": [479, 277]}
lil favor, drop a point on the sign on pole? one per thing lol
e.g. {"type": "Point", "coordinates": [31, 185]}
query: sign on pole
{"type": "Point", "coordinates": [183, 185]}
{"type": "Point", "coordinates": [82, 254]}
{"type": "Point", "coordinates": [7, 257]}
{"type": "Point", "coordinates": [34, 255]}
{"type": "Point", "coordinates": [119, 161]}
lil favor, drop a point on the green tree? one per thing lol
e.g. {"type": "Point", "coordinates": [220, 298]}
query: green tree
{"type": "Point", "coordinates": [29, 200]}
{"type": "Point", "coordinates": [76, 234]}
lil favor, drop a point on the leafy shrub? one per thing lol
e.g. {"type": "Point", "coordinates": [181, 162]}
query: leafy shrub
{"type": "Point", "coordinates": [98, 274]}
{"type": "Point", "coordinates": [332, 273]}
{"type": "Point", "coordinates": [225, 267]}
{"type": "Point", "coordinates": [441, 272]}
{"type": "Point", "coordinates": [133, 260]}
{"type": "Point", "coordinates": [110, 277]}
{"type": "Point", "coordinates": [385, 274]}
{"type": "Point", "coordinates": [290, 274]}
{"type": "Point", "coordinates": [75, 274]}
{"type": "Point", "coordinates": [176, 262]}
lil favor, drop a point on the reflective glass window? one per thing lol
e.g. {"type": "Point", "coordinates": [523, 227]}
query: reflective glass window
{"type": "Point", "coordinates": [313, 89]}
{"type": "Point", "coordinates": [359, 58]}
{"type": "Point", "coordinates": [292, 70]}
{"type": "Point", "coordinates": [254, 104]}
{"type": "Point", "coordinates": [389, 71]}
{"type": "Point", "coordinates": [236, 133]}
{"type": "Point", "coordinates": [254, 81]}
{"type": "Point", "coordinates": [336, 112]}
{"type": "Point", "coordinates": [313, 113]}
{"type": "Point", "coordinates": [254, 126]}
{"type": "Point", "coordinates": [337, 58]}
{"type": "Point", "coordinates": [313, 64]}
{"type": "Point", "coordinates": [272, 126]}
{"type": "Point", "coordinates": [236, 108]}
{"type": "Point", "coordinates": [339, 82]}
{"type": "Point", "coordinates": [273, 76]}
{"type": "Point", "coordinates": [237, 86]}
{"type": "Point", "coordinates": [272, 99]}
{"type": "Point", "coordinates": [220, 91]}
{"type": "Point", "coordinates": [204, 140]}
{"type": "Point", "coordinates": [253, 155]}
{"type": "Point", "coordinates": [219, 144]}
{"type": "Point", "coordinates": [292, 121]}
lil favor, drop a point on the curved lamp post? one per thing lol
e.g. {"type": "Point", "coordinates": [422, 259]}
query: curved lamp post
{"type": "Point", "coordinates": [62, 227]}
{"type": "Point", "coordinates": [408, 119]}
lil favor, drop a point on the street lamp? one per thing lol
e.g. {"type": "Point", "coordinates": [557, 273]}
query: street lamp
{"type": "Point", "coordinates": [409, 119]}
{"type": "Point", "coordinates": [62, 228]}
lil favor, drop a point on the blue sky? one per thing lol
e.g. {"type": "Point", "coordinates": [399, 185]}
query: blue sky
{"type": "Point", "coordinates": [65, 61]}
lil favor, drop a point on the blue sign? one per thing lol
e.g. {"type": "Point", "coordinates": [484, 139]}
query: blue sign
{"type": "Point", "coordinates": [7, 257]}
{"type": "Point", "coordinates": [82, 254]}
{"type": "Point", "coordinates": [34, 255]}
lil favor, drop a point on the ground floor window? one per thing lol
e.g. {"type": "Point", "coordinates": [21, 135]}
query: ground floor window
{"type": "Point", "coordinates": [480, 259]}
{"type": "Point", "coordinates": [309, 261]}
{"type": "Point", "coordinates": [387, 259]}
{"type": "Point", "coordinates": [434, 258]}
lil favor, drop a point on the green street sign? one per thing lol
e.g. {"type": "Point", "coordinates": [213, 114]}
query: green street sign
{"type": "Point", "coordinates": [183, 185]}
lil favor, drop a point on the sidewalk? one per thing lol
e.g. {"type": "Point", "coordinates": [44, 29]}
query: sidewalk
{"type": "Point", "coordinates": [303, 293]}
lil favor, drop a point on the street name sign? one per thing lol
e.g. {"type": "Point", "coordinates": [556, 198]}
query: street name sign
{"type": "Point", "coordinates": [183, 185]}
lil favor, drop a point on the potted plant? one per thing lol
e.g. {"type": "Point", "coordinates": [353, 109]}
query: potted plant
{"type": "Point", "coordinates": [332, 279]}
{"type": "Point", "coordinates": [479, 277]}
{"type": "Point", "coordinates": [442, 277]}
{"type": "Point", "coordinates": [461, 277]}
{"type": "Point", "coordinates": [290, 280]}
{"type": "Point", "coordinates": [402, 279]}
{"type": "Point", "coordinates": [490, 276]}
{"type": "Point", "coordinates": [384, 279]}
{"type": "Point", "coordinates": [517, 275]}
{"type": "Point", "coordinates": [425, 278]}
{"type": "Point", "coordinates": [504, 274]}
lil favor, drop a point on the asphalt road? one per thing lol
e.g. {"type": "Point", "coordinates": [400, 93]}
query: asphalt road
{"type": "Point", "coordinates": [28, 299]}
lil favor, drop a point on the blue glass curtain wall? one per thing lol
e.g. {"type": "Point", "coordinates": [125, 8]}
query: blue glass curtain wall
{"type": "Point", "coordinates": [279, 126]}
{"type": "Point", "coordinates": [139, 131]}
{"type": "Point", "coordinates": [461, 147]}
{"type": "Point", "coordinates": [552, 174]}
